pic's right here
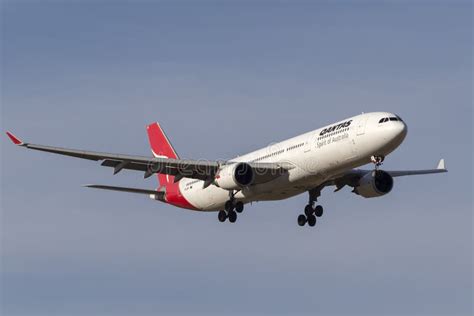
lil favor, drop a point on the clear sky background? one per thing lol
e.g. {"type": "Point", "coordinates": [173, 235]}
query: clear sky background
{"type": "Point", "coordinates": [224, 79]}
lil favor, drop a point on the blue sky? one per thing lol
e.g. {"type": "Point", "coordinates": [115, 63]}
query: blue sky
{"type": "Point", "coordinates": [224, 79]}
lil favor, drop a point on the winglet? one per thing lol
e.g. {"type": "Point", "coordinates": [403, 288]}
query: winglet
{"type": "Point", "coordinates": [441, 165]}
{"type": "Point", "coordinates": [15, 140]}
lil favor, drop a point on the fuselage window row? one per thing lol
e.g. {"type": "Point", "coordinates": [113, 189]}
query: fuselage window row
{"type": "Point", "coordinates": [276, 153]}
{"type": "Point", "coordinates": [192, 182]}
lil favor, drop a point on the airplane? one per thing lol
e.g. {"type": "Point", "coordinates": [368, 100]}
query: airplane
{"type": "Point", "coordinates": [328, 156]}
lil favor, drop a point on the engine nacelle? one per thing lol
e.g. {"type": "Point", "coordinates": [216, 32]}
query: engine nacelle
{"type": "Point", "coordinates": [235, 176]}
{"type": "Point", "coordinates": [375, 183]}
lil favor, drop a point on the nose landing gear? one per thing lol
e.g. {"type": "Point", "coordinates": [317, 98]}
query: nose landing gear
{"type": "Point", "coordinates": [377, 160]}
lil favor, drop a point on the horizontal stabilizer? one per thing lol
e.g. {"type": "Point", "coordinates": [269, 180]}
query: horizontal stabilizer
{"type": "Point", "coordinates": [159, 195]}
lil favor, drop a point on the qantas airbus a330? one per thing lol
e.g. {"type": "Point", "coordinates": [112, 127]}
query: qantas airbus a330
{"type": "Point", "coordinates": [305, 163]}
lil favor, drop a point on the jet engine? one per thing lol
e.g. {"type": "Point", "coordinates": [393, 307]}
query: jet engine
{"type": "Point", "coordinates": [235, 176]}
{"type": "Point", "coordinates": [373, 184]}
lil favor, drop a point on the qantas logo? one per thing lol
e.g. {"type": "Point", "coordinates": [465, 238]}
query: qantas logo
{"type": "Point", "coordinates": [161, 156]}
{"type": "Point", "coordinates": [335, 127]}
{"type": "Point", "coordinates": [158, 156]}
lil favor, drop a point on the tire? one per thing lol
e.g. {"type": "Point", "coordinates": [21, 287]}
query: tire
{"type": "Point", "coordinates": [229, 206]}
{"type": "Point", "coordinates": [308, 210]}
{"type": "Point", "coordinates": [222, 216]}
{"type": "Point", "coordinates": [311, 220]}
{"type": "Point", "coordinates": [301, 220]}
{"type": "Point", "coordinates": [318, 211]}
{"type": "Point", "coordinates": [232, 216]}
{"type": "Point", "coordinates": [239, 207]}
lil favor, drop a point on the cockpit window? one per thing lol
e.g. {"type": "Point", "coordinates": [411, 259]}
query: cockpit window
{"type": "Point", "coordinates": [393, 119]}
{"type": "Point", "coordinates": [399, 118]}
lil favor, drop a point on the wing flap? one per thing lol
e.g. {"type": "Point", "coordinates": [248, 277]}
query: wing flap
{"type": "Point", "coordinates": [119, 165]}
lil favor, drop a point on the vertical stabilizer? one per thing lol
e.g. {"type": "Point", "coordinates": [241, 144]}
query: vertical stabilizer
{"type": "Point", "coordinates": [161, 148]}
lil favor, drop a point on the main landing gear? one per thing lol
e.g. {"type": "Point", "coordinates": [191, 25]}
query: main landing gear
{"type": "Point", "coordinates": [231, 209]}
{"type": "Point", "coordinates": [310, 212]}
{"type": "Point", "coordinates": [310, 215]}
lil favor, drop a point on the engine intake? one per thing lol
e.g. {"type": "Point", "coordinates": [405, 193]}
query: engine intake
{"type": "Point", "coordinates": [374, 184]}
{"type": "Point", "coordinates": [235, 176]}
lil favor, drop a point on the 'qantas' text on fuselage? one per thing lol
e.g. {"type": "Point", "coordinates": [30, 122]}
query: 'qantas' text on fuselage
{"type": "Point", "coordinates": [335, 127]}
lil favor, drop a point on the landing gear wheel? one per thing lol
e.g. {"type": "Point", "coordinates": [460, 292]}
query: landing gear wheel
{"type": "Point", "coordinates": [232, 216]}
{"type": "Point", "coordinates": [301, 220]}
{"type": "Point", "coordinates": [229, 206]}
{"type": "Point", "coordinates": [308, 210]}
{"type": "Point", "coordinates": [318, 211]}
{"type": "Point", "coordinates": [222, 216]}
{"type": "Point", "coordinates": [377, 160]}
{"type": "Point", "coordinates": [311, 220]}
{"type": "Point", "coordinates": [239, 207]}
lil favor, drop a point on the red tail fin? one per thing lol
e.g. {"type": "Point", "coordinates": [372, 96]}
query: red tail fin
{"type": "Point", "coordinates": [161, 147]}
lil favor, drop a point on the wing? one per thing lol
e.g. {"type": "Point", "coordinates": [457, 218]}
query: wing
{"type": "Point", "coordinates": [189, 168]}
{"type": "Point", "coordinates": [439, 169]}
{"type": "Point", "coordinates": [351, 177]}
{"type": "Point", "coordinates": [180, 168]}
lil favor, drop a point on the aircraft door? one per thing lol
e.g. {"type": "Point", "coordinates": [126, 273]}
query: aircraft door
{"type": "Point", "coordinates": [310, 143]}
{"type": "Point", "coordinates": [311, 164]}
{"type": "Point", "coordinates": [361, 125]}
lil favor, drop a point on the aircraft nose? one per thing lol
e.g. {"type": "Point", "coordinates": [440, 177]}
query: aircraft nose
{"type": "Point", "coordinates": [401, 131]}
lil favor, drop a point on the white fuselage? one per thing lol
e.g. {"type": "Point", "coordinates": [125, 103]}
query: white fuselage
{"type": "Point", "coordinates": [316, 157]}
